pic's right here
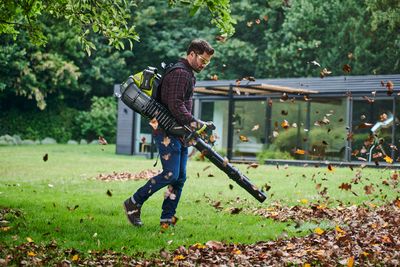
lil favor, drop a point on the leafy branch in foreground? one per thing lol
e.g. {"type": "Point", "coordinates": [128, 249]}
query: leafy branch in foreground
{"type": "Point", "coordinates": [111, 19]}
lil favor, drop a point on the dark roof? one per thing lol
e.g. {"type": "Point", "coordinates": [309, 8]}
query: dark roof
{"type": "Point", "coordinates": [338, 85]}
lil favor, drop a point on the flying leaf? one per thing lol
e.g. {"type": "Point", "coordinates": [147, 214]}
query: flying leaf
{"type": "Point", "coordinates": [255, 127]}
{"type": "Point", "coordinates": [324, 72]}
{"type": "Point", "coordinates": [285, 124]}
{"type": "Point", "coordinates": [346, 68]}
{"type": "Point", "coordinates": [252, 165]}
{"type": "Point", "coordinates": [214, 77]}
{"type": "Point", "coordinates": [102, 141]}
{"type": "Point", "coordinates": [154, 123]}
{"type": "Point", "coordinates": [388, 159]}
{"type": "Point", "coordinates": [243, 138]}
{"type": "Point", "coordinates": [368, 189]}
{"type": "Point", "coordinates": [109, 193]}
{"type": "Point", "coordinates": [300, 151]}
{"type": "Point", "coordinates": [45, 157]}
{"type": "Point", "coordinates": [345, 186]}
{"type": "Point", "coordinates": [315, 63]}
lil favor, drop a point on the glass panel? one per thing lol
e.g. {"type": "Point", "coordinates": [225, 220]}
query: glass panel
{"type": "Point", "coordinates": [396, 147]}
{"type": "Point", "coordinates": [372, 130]}
{"type": "Point", "coordinates": [322, 138]}
{"type": "Point", "coordinates": [327, 134]}
{"type": "Point", "coordinates": [287, 130]}
{"type": "Point", "coordinates": [145, 135]}
{"type": "Point", "coordinates": [248, 127]}
{"type": "Point", "coordinates": [217, 111]}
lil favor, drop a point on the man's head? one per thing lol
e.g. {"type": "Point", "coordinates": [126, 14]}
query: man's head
{"type": "Point", "coordinates": [199, 54]}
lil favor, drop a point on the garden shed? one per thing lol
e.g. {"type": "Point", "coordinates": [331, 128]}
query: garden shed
{"type": "Point", "coordinates": [343, 118]}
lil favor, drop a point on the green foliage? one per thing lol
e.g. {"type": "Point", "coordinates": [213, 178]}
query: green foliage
{"type": "Point", "coordinates": [272, 154]}
{"type": "Point", "coordinates": [110, 19]}
{"type": "Point", "coordinates": [286, 140]}
{"type": "Point", "coordinates": [101, 120]}
{"type": "Point", "coordinates": [38, 125]}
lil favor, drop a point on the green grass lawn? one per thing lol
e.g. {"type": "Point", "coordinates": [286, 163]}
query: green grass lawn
{"type": "Point", "coordinates": [47, 192]}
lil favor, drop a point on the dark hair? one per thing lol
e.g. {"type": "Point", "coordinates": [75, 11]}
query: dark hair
{"type": "Point", "coordinates": [199, 46]}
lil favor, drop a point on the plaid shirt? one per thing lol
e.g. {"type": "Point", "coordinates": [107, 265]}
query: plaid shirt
{"type": "Point", "coordinates": [176, 95]}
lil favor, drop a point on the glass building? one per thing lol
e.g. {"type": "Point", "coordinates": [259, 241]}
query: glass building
{"type": "Point", "coordinates": [345, 119]}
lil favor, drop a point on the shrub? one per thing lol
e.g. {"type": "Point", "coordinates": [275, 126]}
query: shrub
{"type": "Point", "coordinates": [101, 120]}
{"type": "Point", "coordinates": [272, 154]}
{"type": "Point", "coordinates": [58, 124]}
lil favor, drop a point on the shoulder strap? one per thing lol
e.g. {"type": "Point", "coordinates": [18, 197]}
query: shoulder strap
{"type": "Point", "coordinates": [178, 65]}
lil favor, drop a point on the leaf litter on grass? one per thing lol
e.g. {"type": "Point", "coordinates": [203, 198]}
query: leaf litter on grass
{"type": "Point", "coordinates": [366, 236]}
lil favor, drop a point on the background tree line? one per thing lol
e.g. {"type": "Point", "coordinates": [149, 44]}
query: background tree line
{"type": "Point", "coordinates": [58, 90]}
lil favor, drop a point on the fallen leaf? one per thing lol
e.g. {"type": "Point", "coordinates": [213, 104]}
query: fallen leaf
{"type": "Point", "coordinates": [318, 231]}
{"type": "Point", "coordinates": [345, 186]}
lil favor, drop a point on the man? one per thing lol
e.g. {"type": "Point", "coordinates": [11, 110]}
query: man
{"type": "Point", "coordinates": [176, 94]}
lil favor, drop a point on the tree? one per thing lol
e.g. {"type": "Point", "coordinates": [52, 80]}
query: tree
{"type": "Point", "coordinates": [110, 19]}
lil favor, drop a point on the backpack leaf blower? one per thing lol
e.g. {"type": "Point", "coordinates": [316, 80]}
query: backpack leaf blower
{"type": "Point", "coordinates": [149, 108]}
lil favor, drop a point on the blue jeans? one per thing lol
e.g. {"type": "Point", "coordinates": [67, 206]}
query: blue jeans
{"type": "Point", "coordinates": [173, 155]}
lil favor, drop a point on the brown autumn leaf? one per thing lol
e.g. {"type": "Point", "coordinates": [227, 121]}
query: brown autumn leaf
{"type": "Point", "coordinates": [102, 141]}
{"type": "Point", "coordinates": [330, 168]}
{"type": "Point", "coordinates": [365, 125]}
{"type": "Point", "coordinates": [109, 193]}
{"type": "Point", "coordinates": [45, 157]}
{"type": "Point", "coordinates": [345, 186]}
{"type": "Point", "coordinates": [235, 210]}
{"type": "Point", "coordinates": [154, 123]}
{"type": "Point", "coordinates": [243, 138]}
{"type": "Point", "coordinates": [257, 21]}
{"type": "Point", "coordinates": [300, 152]}
{"type": "Point", "coordinates": [220, 38]}
{"type": "Point", "coordinates": [284, 97]}
{"type": "Point", "coordinates": [285, 124]}
{"type": "Point", "coordinates": [346, 68]}
{"type": "Point", "coordinates": [252, 165]}
{"type": "Point", "coordinates": [369, 189]}
{"type": "Point", "coordinates": [284, 112]}
{"type": "Point", "coordinates": [214, 77]}
{"type": "Point", "coordinates": [206, 168]}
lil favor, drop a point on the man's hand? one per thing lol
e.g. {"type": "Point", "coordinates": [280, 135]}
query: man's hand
{"type": "Point", "coordinates": [198, 124]}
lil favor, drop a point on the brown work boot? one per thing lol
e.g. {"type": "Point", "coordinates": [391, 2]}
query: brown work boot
{"type": "Point", "coordinates": [132, 211]}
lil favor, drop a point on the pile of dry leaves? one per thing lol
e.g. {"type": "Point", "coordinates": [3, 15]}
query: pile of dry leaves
{"type": "Point", "coordinates": [125, 176]}
{"type": "Point", "coordinates": [360, 236]}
